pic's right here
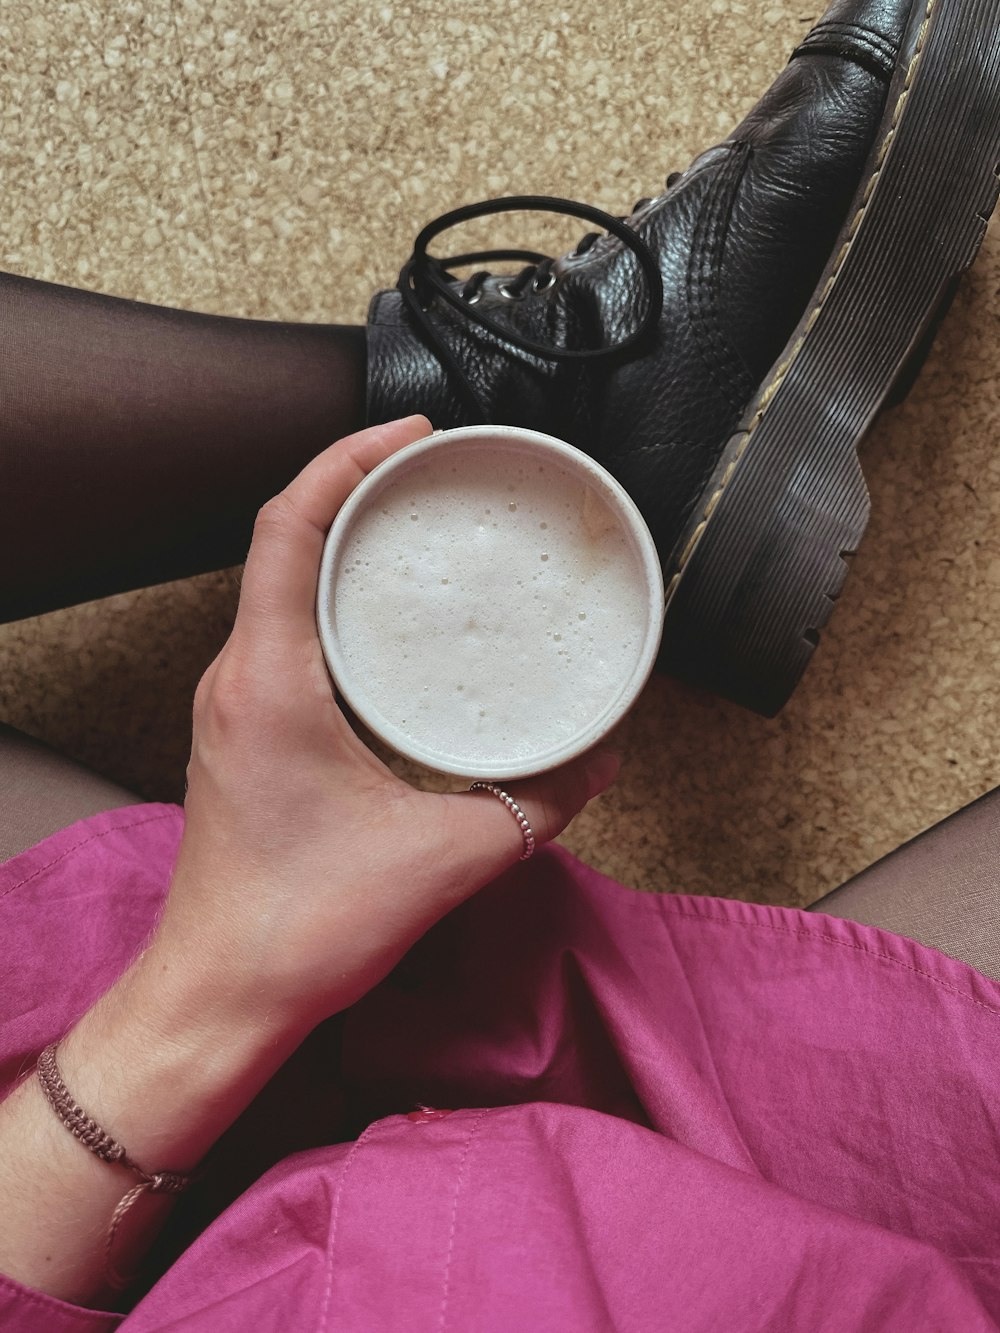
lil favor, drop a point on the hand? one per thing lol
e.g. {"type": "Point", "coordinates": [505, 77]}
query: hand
{"type": "Point", "coordinates": [307, 869]}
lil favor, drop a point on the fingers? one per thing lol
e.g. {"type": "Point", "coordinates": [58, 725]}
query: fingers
{"type": "Point", "coordinates": [278, 593]}
{"type": "Point", "coordinates": [485, 836]}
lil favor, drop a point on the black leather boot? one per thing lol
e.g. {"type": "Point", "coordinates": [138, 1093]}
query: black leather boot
{"type": "Point", "coordinates": [723, 349]}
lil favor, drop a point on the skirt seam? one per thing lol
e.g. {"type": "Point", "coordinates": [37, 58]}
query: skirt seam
{"type": "Point", "coordinates": [676, 910]}
{"type": "Point", "coordinates": [93, 837]}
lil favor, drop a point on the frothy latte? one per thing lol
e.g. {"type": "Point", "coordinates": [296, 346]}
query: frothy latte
{"type": "Point", "coordinates": [490, 605]}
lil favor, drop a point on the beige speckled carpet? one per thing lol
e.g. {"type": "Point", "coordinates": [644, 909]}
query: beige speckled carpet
{"type": "Point", "coordinates": [276, 159]}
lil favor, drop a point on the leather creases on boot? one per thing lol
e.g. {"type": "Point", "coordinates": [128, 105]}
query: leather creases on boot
{"type": "Point", "coordinates": [752, 288]}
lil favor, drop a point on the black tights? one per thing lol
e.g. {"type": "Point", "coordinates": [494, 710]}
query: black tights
{"type": "Point", "coordinates": [137, 443]}
{"type": "Point", "coordinates": [942, 888]}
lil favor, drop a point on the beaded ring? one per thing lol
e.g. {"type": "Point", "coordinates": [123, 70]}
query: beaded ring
{"type": "Point", "coordinates": [527, 833]}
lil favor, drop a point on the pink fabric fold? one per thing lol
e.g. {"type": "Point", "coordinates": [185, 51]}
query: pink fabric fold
{"type": "Point", "coordinates": [651, 1112]}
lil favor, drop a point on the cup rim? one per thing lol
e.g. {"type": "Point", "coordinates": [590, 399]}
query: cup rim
{"type": "Point", "coordinates": [625, 510]}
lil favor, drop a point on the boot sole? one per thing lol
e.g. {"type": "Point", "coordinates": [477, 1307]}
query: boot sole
{"type": "Point", "coordinates": [756, 573]}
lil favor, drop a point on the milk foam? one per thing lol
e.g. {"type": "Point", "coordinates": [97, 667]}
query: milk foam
{"type": "Point", "coordinates": [490, 607]}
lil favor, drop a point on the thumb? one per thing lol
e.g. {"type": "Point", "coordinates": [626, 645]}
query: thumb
{"type": "Point", "coordinates": [486, 837]}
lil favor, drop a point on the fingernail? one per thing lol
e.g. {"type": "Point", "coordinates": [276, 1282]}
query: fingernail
{"type": "Point", "coordinates": [602, 769]}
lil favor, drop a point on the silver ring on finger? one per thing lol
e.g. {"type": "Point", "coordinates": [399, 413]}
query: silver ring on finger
{"type": "Point", "coordinates": [527, 833]}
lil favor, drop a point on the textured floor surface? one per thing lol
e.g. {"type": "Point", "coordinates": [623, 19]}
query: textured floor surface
{"type": "Point", "coordinates": [275, 160]}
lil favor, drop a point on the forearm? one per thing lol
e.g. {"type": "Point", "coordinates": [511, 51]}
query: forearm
{"type": "Point", "coordinates": [164, 1063]}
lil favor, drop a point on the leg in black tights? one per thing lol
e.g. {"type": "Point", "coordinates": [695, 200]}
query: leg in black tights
{"type": "Point", "coordinates": [941, 888]}
{"type": "Point", "coordinates": [137, 443]}
{"type": "Point", "coordinates": [42, 791]}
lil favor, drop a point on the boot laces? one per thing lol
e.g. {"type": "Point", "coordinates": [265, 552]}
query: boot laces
{"type": "Point", "coordinates": [424, 276]}
{"type": "Point", "coordinates": [538, 275]}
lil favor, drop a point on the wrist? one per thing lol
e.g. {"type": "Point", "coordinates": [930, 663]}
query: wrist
{"type": "Point", "coordinates": [166, 1060]}
{"type": "Point", "coordinates": [163, 1066]}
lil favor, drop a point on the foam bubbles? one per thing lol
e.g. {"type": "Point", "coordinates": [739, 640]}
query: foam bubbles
{"type": "Point", "coordinates": [444, 614]}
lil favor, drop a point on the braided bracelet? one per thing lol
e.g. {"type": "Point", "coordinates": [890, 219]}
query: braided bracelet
{"type": "Point", "coordinates": [99, 1142]}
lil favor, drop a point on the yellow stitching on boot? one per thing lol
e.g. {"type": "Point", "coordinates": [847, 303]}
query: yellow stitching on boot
{"type": "Point", "coordinates": [781, 372]}
{"type": "Point", "coordinates": [915, 58]}
{"type": "Point", "coordinates": [692, 542]}
{"type": "Point", "coordinates": [779, 375]}
{"type": "Point", "coordinates": [890, 135]}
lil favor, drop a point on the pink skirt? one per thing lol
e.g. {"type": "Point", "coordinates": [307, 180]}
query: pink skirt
{"type": "Point", "coordinates": [645, 1113]}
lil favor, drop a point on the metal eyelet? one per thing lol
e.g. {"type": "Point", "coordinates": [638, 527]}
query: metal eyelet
{"type": "Point", "coordinates": [416, 292]}
{"type": "Point", "coordinates": [474, 299]}
{"type": "Point", "coordinates": [505, 291]}
{"type": "Point", "coordinates": [544, 286]}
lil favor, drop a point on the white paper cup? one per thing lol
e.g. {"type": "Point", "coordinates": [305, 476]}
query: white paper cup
{"type": "Point", "coordinates": [490, 602]}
